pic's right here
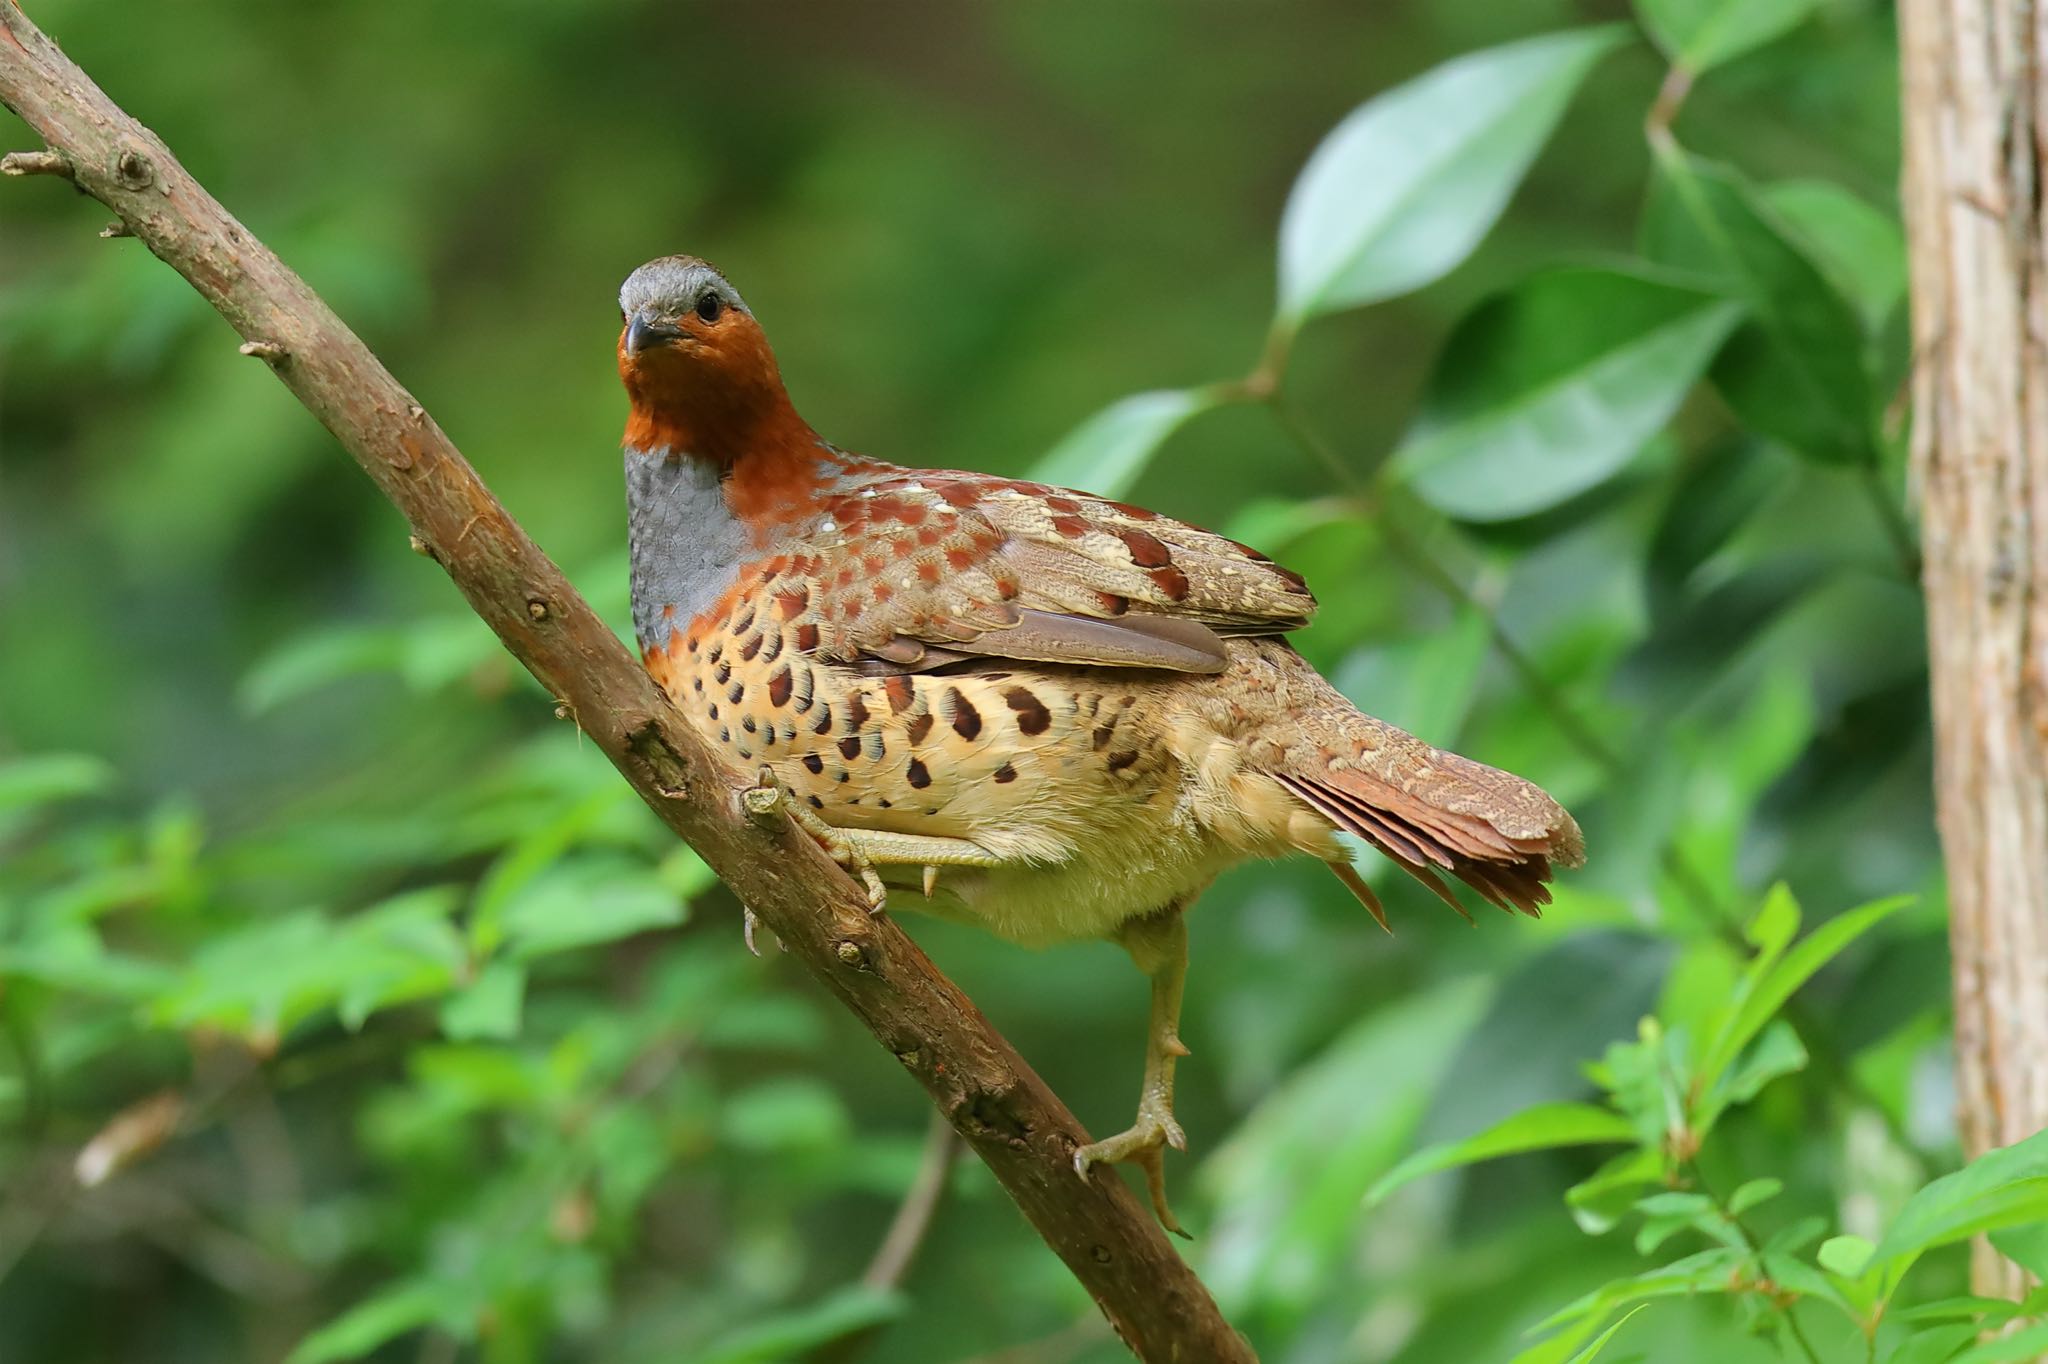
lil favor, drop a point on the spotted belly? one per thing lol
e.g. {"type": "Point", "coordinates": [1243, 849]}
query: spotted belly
{"type": "Point", "coordinates": [1078, 780]}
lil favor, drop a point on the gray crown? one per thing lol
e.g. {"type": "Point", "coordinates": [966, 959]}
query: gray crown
{"type": "Point", "coordinates": [671, 286]}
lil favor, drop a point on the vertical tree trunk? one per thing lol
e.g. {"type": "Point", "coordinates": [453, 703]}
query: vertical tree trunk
{"type": "Point", "coordinates": [1973, 141]}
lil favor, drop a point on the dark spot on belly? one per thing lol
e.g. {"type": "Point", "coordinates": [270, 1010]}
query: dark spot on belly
{"type": "Point", "coordinates": [1119, 761]}
{"type": "Point", "coordinates": [772, 650]}
{"type": "Point", "coordinates": [743, 623]}
{"type": "Point", "coordinates": [1032, 716]}
{"type": "Point", "coordinates": [882, 801]}
{"type": "Point", "coordinates": [966, 719]}
{"type": "Point", "coordinates": [814, 763]}
{"type": "Point", "coordinates": [712, 710]}
{"type": "Point", "coordinates": [750, 648]}
{"type": "Point", "coordinates": [918, 728]}
{"type": "Point", "coordinates": [747, 723]}
{"type": "Point", "coordinates": [856, 711]}
{"type": "Point", "coordinates": [723, 673]}
{"type": "Point", "coordinates": [780, 684]}
{"type": "Point", "coordinates": [824, 722]}
{"type": "Point", "coordinates": [901, 692]}
{"type": "Point", "coordinates": [1005, 773]}
{"type": "Point", "coordinates": [736, 691]}
{"type": "Point", "coordinates": [816, 804]}
{"type": "Point", "coordinates": [919, 775]}
{"type": "Point", "coordinates": [807, 637]}
{"type": "Point", "coordinates": [1103, 734]}
{"type": "Point", "coordinates": [849, 747]}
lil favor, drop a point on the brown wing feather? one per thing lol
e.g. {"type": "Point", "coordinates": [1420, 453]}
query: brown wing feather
{"type": "Point", "coordinates": [913, 571]}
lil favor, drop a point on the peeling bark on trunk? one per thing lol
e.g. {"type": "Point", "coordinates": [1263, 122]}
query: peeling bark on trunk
{"type": "Point", "coordinates": [1973, 141]}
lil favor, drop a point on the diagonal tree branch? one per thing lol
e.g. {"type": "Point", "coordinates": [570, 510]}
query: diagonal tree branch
{"type": "Point", "coordinates": [1002, 1109]}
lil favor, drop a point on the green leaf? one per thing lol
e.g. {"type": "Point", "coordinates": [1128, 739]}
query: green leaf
{"type": "Point", "coordinates": [1847, 1256]}
{"type": "Point", "coordinates": [1764, 991]}
{"type": "Point", "coordinates": [2020, 1345]}
{"type": "Point", "coordinates": [2003, 1188]}
{"type": "Point", "coordinates": [1938, 1345]}
{"type": "Point", "coordinates": [1753, 1192]}
{"type": "Point", "coordinates": [390, 1312]}
{"type": "Point", "coordinates": [1405, 187]}
{"type": "Point", "coordinates": [1587, 1355]}
{"type": "Point", "coordinates": [1535, 1129]}
{"type": "Point", "coordinates": [1860, 248]}
{"type": "Point", "coordinates": [488, 1007]}
{"type": "Point", "coordinates": [586, 900]}
{"type": "Point", "coordinates": [1600, 1200]}
{"type": "Point", "coordinates": [1709, 1271]}
{"type": "Point", "coordinates": [1795, 371]}
{"type": "Point", "coordinates": [1702, 34]}
{"type": "Point", "coordinates": [2026, 1246]}
{"type": "Point", "coordinates": [1107, 453]}
{"type": "Point", "coordinates": [1553, 386]}
{"type": "Point", "coordinates": [47, 777]}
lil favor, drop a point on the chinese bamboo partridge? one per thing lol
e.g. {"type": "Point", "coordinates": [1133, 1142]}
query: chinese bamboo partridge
{"type": "Point", "coordinates": [1081, 710]}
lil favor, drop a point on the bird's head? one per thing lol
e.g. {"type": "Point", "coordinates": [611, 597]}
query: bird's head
{"type": "Point", "coordinates": [695, 363]}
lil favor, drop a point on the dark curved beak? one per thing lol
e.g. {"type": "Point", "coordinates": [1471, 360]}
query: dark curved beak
{"type": "Point", "coordinates": [642, 332]}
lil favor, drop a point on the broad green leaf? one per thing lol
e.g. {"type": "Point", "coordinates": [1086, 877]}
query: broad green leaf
{"type": "Point", "coordinates": [1405, 187]}
{"type": "Point", "coordinates": [1994, 1311]}
{"type": "Point", "coordinates": [1860, 247]}
{"type": "Point", "coordinates": [2003, 1188]}
{"type": "Point", "coordinates": [1847, 1256]}
{"type": "Point", "coordinates": [2020, 1345]}
{"type": "Point", "coordinates": [318, 659]}
{"type": "Point", "coordinates": [1936, 1345]}
{"type": "Point", "coordinates": [2026, 1246]}
{"type": "Point", "coordinates": [793, 1112]}
{"type": "Point", "coordinates": [1535, 1129]}
{"type": "Point", "coordinates": [585, 900]}
{"type": "Point", "coordinates": [1776, 1052]}
{"type": "Point", "coordinates": [1107, 453]}
{"type": "Point", "coordinates": [1702, 34]}
{"type": "Point", "coordinates": [1795, 370]}
{"type": "Point", "coordinates": [488, 1007]}
{"type": "Point", "coordinates": [1553, 386]}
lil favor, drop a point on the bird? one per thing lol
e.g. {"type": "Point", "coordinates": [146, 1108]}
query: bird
{"type": "Point", "coordinates": [1056, 715]}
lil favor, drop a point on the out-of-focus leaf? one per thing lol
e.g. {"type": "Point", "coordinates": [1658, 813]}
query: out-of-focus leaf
{"type": "Point", "coordinates": [1536, 1129]}
{"type": "Point", "coordinates": [1405, 187]}
{"type": "Point", "coordinates": [316, 660]}
{"type": "Point", "coordinates": [1592, 1352]}
{"type": "Point", "coordinates": [586, 900]}
{"type": "Point", "coordinates": [1848, 1256]}
{"type": "Point", "coordinates": [383, 1316]}
{"type": "Point", "coordinates": [790, 1113]}
{"type": "Point", "coordinates": [793, 1334]}
{"type": "Point", "coordinates": [1600, 1200]}
{"type": "Point", "coordinates": [1552, 387]}
{"type": "Point", "coordinates": [1702, 34]}
{"type": "Point", "coordinates": [1795, 370]}
{"type": "Point", "coordinates": [2020, 1345]}
{"type": "Point", "coordinates": [1862, 249]}
{"type": "Point", "coordinates": [2026, 1246]}
{"type": "Point", "coordinates": [1777, 1052]}
{"type": "Point", "coordinates": [1424, 683]}
{"type": "Point", "coordinates": [1713, 499]}
{"type": "Point", "coordinates": [1753, 1192]}
{"type": "Point", "coordinates": [1709, 1271]}
{"type": "Point", "coordinates": [1937, 1345]}
{"type": "Point", "coordinates": [488, 1007]}
{"type": "Point", "coordinates": [1107, 453]}
{"type": "Point", "coordinates": [2003, 1188]}
{"type": "Point", "coordinates": [47, 777]}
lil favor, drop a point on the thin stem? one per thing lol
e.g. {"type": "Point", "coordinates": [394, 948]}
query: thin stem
{"type": "Point", "coordinates": [1755, 1248]}
{"type": "Point", "coordinates": [920, 1207]}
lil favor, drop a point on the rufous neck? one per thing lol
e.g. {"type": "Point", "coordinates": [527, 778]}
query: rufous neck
{"type": "Point", "coordinates": [770, 462]}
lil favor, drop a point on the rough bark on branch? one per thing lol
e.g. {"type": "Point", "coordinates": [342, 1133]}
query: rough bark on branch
{"type": "Point", "coordinates": [1975, 129]}
{"type": "Point", "coordinates": [1003, 1110]}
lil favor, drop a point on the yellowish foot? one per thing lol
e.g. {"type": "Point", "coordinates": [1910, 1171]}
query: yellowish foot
{"type": "Point", "coordinates": [1142, 1144]}
{"type": "Point", "coordinates": [767, 798]}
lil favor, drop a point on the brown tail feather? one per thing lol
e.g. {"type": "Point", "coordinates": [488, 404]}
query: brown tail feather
{"type": "Point", "coordinates": [1495, 832]}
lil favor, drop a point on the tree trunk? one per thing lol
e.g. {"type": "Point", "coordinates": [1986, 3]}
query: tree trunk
{"type": "Point", "coordinates": [1973, 141]}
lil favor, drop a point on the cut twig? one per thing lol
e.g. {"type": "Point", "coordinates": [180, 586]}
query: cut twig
{"type": "Point", "coordinates": [992, 1098]}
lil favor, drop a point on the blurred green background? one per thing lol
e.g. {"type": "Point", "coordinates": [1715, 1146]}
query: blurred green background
{"type": "Point", "coordinates": [461, 1051]}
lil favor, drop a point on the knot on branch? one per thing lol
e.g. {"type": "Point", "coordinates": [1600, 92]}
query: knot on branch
{"type": "Point", "coordinates": [133, 170]}
{"type": "Point", "coordinates": [657, 757]}
{"type": "Point", "coordinates": [269, 352]}
{"type": "Point", "coordinates": [36, 163]}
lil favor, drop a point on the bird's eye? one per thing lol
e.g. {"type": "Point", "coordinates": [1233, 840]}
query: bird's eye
{"type": "Point", "coordinates": [709, 306]}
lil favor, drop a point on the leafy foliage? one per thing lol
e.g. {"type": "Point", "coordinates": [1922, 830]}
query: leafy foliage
{"type": "Point", "coordinates": [350, 1009]}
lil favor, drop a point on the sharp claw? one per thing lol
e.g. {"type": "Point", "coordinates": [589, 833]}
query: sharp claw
{"type": "Point", "coordinates": [1143, 1145]}
{"type": "Point", "coordinates": [747, 932]}
{"type": "Point", "coordinates": [931, 881]}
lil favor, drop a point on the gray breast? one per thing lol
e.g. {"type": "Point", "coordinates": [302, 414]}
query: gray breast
{"type": "Point", "coordinates": [686, 544]}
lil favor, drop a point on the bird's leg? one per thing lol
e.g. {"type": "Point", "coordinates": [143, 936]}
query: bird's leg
{"type": "Point", "coordinates": [1158, 943]}
{"type": "Point", "coordinates": [860, 851]}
